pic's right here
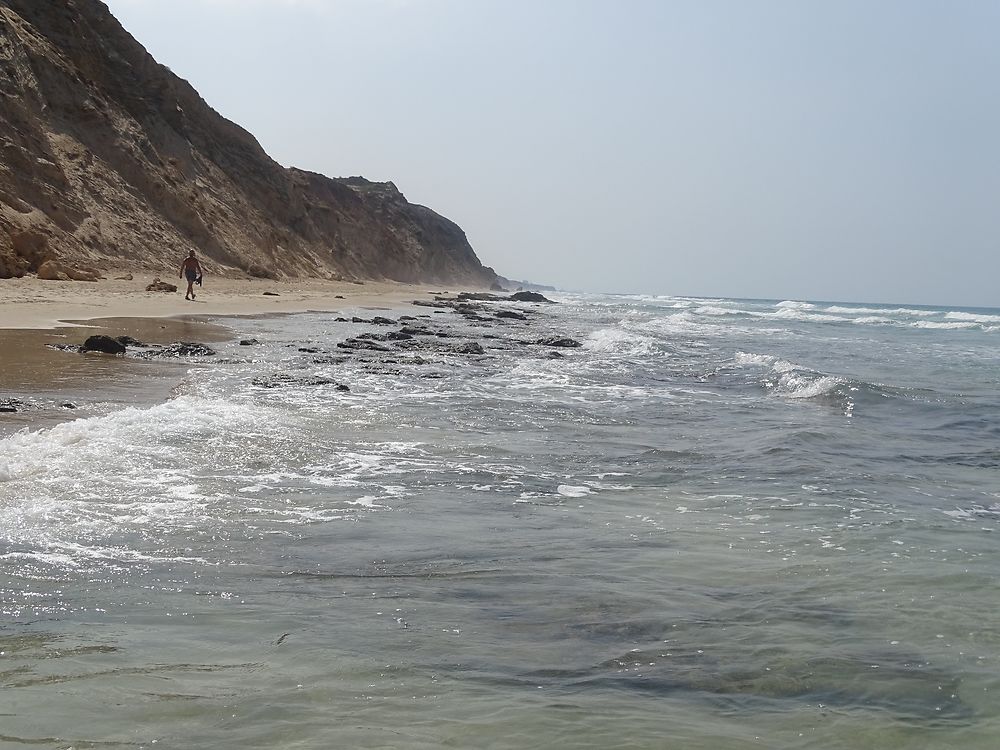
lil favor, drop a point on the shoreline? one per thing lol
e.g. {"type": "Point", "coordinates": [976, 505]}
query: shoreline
{"type": "Point", "coordinates": [39, 380]}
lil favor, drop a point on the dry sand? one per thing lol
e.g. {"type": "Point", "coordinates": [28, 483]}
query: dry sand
{"type": "Point", "coordinates": [34, 304]}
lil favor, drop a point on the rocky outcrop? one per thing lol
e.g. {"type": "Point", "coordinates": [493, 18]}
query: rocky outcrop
{"type": "Point", "coordinates": [53, 270]}
{"type": "Point", "coordinates": [107, 157]}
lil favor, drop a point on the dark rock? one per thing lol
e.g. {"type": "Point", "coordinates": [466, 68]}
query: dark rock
{"type": "Point", "coordinates": [338, 296]}
{"type": "Point", "coordinates": [249, 342]}
{"type": "Point", "coordinates": [9, 405]}
{"type": "Point", "coordinates": [391, 336]}
{"type": "Point", "coordinates": [103, 344]}
{"type": "Point", "coordinates": [356, 319]}
{"type": "Point", "coordinates": [556, 355]}
{"type": "Point", "coordinates": [281, 380]}
{"type": "Point", "coordinates": [412, 331]}
{"type": "Point", "coordinates": [529, 297]}
{"type": "Point", "coordinates": [329, 360]}
{"type": "Point", "coordinates": [470, 348]}
{"type": "Point", "coordinates": [482, 296]}
{"type": "Point", "coordinates": [511, 314]}
{"type": "Point", "coordinates": [380, 321]}
{"type": "Point", "coordinates": [363, 344]}
{"type": "Point", "coordinates": [271, 294]}
{"type": "Point", "coordinates": [561, 342]}
{"type": "Point", "coordinates": [308, 350]}
{"type": "Point", "coordinates": [406, 317]}
{"type": "Point", "coordinates": [128, 341]}
{"type": "Point", "coordinates": [342, 320]}
{"type": "Point", "coordinates": [68, 405]}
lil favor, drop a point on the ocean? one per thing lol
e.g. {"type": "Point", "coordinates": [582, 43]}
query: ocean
{"type": "Point", "coordinates": [716, 523]}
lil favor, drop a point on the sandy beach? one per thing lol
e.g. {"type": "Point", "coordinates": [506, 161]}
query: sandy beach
{"type": "Point", "coordinates": [30, 303]}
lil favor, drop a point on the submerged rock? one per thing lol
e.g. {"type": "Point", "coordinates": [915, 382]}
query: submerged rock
{"type": "Point", "coordinates": [511, 315]}
{"type": "Point", "coordinates": [283, 380]}
{"type": "Point", "coordinates": [179, 349]}
{"type": "Point", "coordinates": [561, 342]}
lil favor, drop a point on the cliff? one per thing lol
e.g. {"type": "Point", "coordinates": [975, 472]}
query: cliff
{"type": "Point", "coordinates": [107, 160]}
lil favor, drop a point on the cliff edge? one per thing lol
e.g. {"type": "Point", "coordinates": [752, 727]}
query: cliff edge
{"type": "Point", "coordinates": [108, 159]}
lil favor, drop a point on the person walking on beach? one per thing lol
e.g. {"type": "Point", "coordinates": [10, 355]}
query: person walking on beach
{"type": "Point", "coordinates": [191, 270]}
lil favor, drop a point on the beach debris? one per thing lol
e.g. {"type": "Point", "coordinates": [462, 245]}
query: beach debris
{"type": "Point", "coordinates": [160, 286]}
{"type": "Point", "coordinates": [567, 343]}
{"type": "Point", "coordinates": [102, 344]}
{"type": "Point", "coordinates": [281, 380]}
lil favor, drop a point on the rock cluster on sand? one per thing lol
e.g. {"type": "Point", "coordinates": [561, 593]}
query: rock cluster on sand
{"type": "Point", "coordinates": [160, 286]}
{"type": "Point", "coordinates": [106, 156]}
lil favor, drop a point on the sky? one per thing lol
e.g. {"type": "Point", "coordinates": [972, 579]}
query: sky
{"type": "Point", "coordinates": [843, 150]}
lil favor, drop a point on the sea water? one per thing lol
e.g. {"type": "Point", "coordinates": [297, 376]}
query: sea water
{"type": "Point", "coordinates": [715, 524]}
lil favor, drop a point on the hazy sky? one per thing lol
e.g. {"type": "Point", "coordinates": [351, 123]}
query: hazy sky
{"type": "Point", "coordinates": [840, 150]}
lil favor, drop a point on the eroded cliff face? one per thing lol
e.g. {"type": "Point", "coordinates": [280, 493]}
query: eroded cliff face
{"type": "Point", "coordinates": [107, 159]}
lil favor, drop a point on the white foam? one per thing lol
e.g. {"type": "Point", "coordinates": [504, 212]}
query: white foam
{"type": "Point", "coordinates": [105, 441]}
{"type": "Point", "coordinates": [797, 313]}
{"type": "Point", "coordinates": [953, 326]}
{"type": "Point", "coordinates": [799, 386]}
{"type": "Point", "coordinates": [881, 311]}
{"type": "Point", "coordinates": [618, 341]}
{"type": "Point", "coordinates": [973, 317]}
{"type": "Point", "coordinates": [790, 304]}
{"type": "Point", "coordinates": [748, 358]}
{"type": "Point", "coordinates": [720, 311]}
{"type": "Point", "coordinates": [569, 490]}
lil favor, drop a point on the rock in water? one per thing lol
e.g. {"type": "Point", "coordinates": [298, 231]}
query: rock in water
{"type": "Point", "coordinates": [530, 297]}
{"type": "Point", "coordinates": [103, 344]}
{"type": "Point", "coordinates": [562, 342]}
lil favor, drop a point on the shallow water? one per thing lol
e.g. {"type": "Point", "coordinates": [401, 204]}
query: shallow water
{"type": "Point", "coordinates": [717, 524]}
